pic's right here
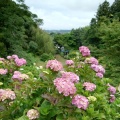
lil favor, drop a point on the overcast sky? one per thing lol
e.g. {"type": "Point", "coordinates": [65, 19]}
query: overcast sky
{"type": "Point", "coordinates": [64, 14]}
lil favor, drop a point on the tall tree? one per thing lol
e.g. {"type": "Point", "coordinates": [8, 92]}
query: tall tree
{"type": "Point", "coordinates": [103, 10]}
{"type": "Point", "coordinates": [110, 35]}
{"type": "Point", "coordinates": [115, 9]}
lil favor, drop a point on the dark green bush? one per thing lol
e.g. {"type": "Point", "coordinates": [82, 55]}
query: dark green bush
{"type": "Point", "coordinates": [44, 57]}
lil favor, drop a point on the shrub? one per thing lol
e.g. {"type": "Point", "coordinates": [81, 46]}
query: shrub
{"type": "Point", "coordinates": [45, 56]}
{"type": "Point", "coordinates": [72, 92]}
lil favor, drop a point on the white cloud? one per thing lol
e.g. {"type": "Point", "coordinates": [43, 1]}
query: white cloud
{"type": "Point", "coordinates": [61, 14]}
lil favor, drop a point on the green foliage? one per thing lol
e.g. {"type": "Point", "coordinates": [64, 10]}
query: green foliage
{"type": "Point", "coordinates": [110, 35]}
{"type": "Point", "coordinates": [72, 54]}
{"type": "Point", "coordinates": [44, 57]}
{"type": "Point", "coordinates": [20, 32]}
{"type": "Point", "coordinates": [115, 9]}
{"type": "Point", "coordinates": [38, 92]}
{"type": "Point", "coordinates": [3, 49]}
{"type": "Point", "coordinates": [33, 46]}
{"type": "Point", "coordinates": [103, 10]}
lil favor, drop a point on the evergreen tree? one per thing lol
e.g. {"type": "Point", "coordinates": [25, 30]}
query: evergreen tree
{"type": "Point", "coordinates": [103, 10]}
{"type": "Point", "coordinates": [115, 9]}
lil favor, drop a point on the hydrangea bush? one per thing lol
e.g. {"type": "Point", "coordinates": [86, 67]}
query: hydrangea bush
{"type": "Point", "coordinates": [75, 91]}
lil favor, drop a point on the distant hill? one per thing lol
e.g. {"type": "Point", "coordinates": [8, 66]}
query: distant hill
{"type": "Point", "coordinates": [57, 31]}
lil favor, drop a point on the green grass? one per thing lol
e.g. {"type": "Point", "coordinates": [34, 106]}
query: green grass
{"type": "Point", "coordinates": [60, 58]}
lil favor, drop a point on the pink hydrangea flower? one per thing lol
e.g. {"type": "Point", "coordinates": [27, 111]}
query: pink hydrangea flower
{"type": "Point", "coordinates": [20, 62]}
{"type": "Point", "coordinates": [7, 94]}
{"type": "Point", "coordinates": [112, 98]}
{"type": "Point", "coordinates": [14, 56]}
{"type": "Point", "coordinates": [10, 94]}
{"type": "Point", "coordinates": [32, 114]}
{"type": "Point", "coordinates": [3, 71]}
{"type": "Point", "coordinates": [98, 68]}
{"type": "Point", "coordinates": [91, 60]}
{"type": "Point", "coordinates": [84, 50]}
{"type": "Point", "coordinates": [16, 76]}
{"type": "Point", "coordinates": [9, 57]}
{"type": "Point", "coordinates": [65, 86]}
{"type": "Point", "coordinates": [100, 75]}
{"type": "Point", "coordinates": [89, 86]}
{"type": "Point", "coordinates": [111, 89]}
{"type": "Point", "coordinates": [2, 59]}
{"type": "Point", "coordinates": [54, 65]}
{"type": "Point", "coordinates": [69, 62]}
{"type": "Point", "coordinates": [80, 102]}
{"type": "Point", "coordinates": [71, 76]}
{"type": "Point", "coordinates": [19, 76]}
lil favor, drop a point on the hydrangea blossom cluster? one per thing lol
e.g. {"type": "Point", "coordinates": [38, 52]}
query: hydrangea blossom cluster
{"type": "Point", "coordinates": [18, 61]}
{"type": "Point", "coordinates": [111, 89]}
{"type": "Point", "coordinates": [65, 86]}
{"type": "Point", "coordinates": [54, 65]}
{"type": "Point", "coordinates": [12, 57]}
{"type": "Point", "coordinates": [32, 114]}
{"type": "Point", "coordinates": [3, 71]}
{"type": "Point", "coordinates": [2, 59]}
{"type": "Point", "coordinates": [112, 98]}
{"type": "Point", "coordinates": [84, 50]}
{"type": "Point", "coordinates": [98, 69]}
{"type": "Point", "coordinates": [100, 75]}
{"type": "Point", "coordinates": [80, 102]}
{"type": "Point", "coordinates": [91, 60]}
{"type": "Point", "coordinates": [69, 62]}
{"type": "Point", "coordinates": [19, 76]}
{"type": "Point", "coordinates": [71, 76]}
{"type": "Point", "coordinates": [89, 86]}
{"type": "Point", "coordinates": [7, 94]}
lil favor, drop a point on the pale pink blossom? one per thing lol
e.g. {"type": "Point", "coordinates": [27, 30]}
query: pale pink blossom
{"type": "Point", "coordinates": [19, 76]}
{"type": "Point", "coordinates": [100, 75]}
{"type": "Point", "coordinates": [80, 102]}
{"type": "Point", "coordinates": [111, 89]}
{"type": "Point", "coordinates": [91, 60]}
{"type": "Point", "coordinates": [65, 86]}
{"type": "Point", "coordinates": [16, 76]}
{"type": "Point", "coordinates": [32, 114]}
{"type": "Point", "coordinates": [24, 76]}
{"type": "Point", "coordinates": [2, 59]}
{"type": "Point", "coordinates": [98, 68]}
{"type": "Point", "coordinates": [3, 71]}
{"type": "Point", "coordinates": [54, 65]}
{"type": "Point", "coordinates": [9, 57]}
{"type": "Point", "coordinates": [89, 86]}
{"type": "Point", "coordinates": [20, 62]}
{"type": "Point", "coordinates": [7, 94]}
{"type": "Point", "coordinates": [14, 56]}
{"type": "Point", "coordinates": [112, 98]}
{"type": "Point", "coordinates": [71, 76]}
{"type": "Point", "coordinates": [69, 62]}
{"type": "Point", "coordinates": [84, 50]}
{"type": "Point", "coordinates": [10, 94]}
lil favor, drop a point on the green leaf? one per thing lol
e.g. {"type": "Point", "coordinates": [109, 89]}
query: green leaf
{"type": "Point", "coordinates": [54, 112]}
{"type": "Point", "coordinates": [60, 117]}
{"type": "Point", "coordinates": [85, 118]}
{"type": "Point", "coordinates": [45, 107]}
{"type": "Point", "coordinates": [23, 118]}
